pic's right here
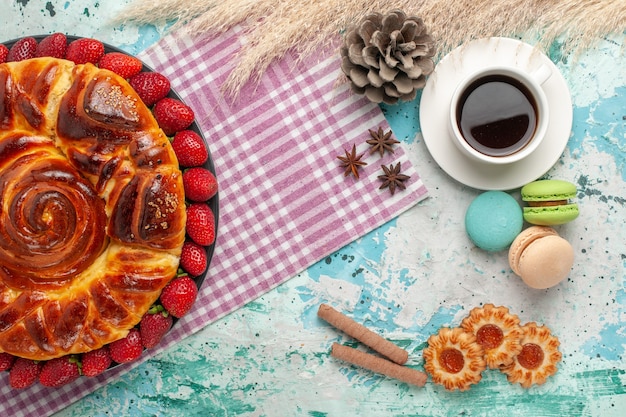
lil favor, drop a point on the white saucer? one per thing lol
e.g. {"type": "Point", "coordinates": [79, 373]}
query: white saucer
{"type": "Point", "coordinates": [435, 103]}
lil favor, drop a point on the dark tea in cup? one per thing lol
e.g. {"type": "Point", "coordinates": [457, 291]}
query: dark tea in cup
{"type": "Point", "coordinates": [497, 115]}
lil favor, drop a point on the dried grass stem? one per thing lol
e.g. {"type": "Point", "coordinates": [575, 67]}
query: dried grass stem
{"type": "Point", "coordinates": [274, 27]}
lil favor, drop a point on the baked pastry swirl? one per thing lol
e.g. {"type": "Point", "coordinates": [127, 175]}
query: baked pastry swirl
{"type": "Point", "coordinates": [92, 213]}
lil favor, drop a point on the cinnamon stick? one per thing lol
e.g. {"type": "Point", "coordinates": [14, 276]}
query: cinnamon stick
{"type": "Point", "coordinates": [378, 365]}
{"type": "Point", "coordinates": [363, 334]}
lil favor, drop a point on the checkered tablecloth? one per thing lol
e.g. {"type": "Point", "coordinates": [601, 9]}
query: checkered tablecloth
{"type": "Point", "coordinates": [284, 201]}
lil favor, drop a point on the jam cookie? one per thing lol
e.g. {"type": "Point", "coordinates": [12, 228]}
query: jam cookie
{"type": "Point", "coordinates": [497, 331]}
{"type": "Point", "coordinates": [537, 359]}
{"type": "Point", "coordinates": [454, 359]}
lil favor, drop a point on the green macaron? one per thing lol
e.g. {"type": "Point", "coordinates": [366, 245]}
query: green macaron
{"type": "Point", "coordinates": [549, 202]}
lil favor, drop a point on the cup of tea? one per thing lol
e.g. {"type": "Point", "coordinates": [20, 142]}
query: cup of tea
{"type": "Point", "coordinates": [499, 114]}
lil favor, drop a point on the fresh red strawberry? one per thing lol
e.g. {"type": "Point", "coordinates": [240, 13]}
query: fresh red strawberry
{"type": "Point", "coordinates": [200, 224]}
{"type": "Point", "coordinates": [193, 258]}
{"type": "Point", "coordinates": [96, 361]}
{"type": "Point", "coordinates": [59, 371]}
{"type": "Point", "coordinates": [4, 52]}
{"type": "Point", "coordinates": [53, 45]}
{"type": "Point", "coordinates": [179, 295]}
{"type": "Point", "coordinates": [173, 115]}
{"type": "Point", "coordinates": [127, 349]}
{"type": "Point", "coordinates": [6, 361]}
{"type": "Point", "coordinates": [200, 184]}
{"type": "Point", "coordinates": [150, 86]}
{"type": "Point", "coordinates": [154, 325]}
{"type": "Point", "coordinates": [24, 373]}
{"type": "Point", "coordinates": [84, 50]}
{"type": "Point", "coordinates": [22, 49]}
{"type": "Point", "coordinates": [189, 148]}
{"type": "Point", "coordinates": [123, 65]}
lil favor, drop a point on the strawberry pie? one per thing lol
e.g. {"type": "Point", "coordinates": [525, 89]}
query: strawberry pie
{"type": "Point", "coordinates": [93, 215]}
{"type": "Point", "coordinates": [93, 209]}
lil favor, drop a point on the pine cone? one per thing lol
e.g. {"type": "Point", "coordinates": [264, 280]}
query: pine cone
{"type": "Point", "coordinates": [387, 57]}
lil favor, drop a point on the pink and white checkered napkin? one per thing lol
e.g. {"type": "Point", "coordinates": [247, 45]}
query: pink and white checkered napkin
{"type": "Point", "coordinates": [284, 201]}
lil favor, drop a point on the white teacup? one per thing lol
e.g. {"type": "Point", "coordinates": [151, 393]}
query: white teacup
{"type": "Point", "coordinates": [499, 114]}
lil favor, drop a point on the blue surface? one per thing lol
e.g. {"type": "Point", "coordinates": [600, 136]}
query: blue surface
{"type": "Point", "coordinates": [404, 280]}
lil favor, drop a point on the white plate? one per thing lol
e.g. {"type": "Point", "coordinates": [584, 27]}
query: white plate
{"type": "Point", "coordinates": [435, 103]}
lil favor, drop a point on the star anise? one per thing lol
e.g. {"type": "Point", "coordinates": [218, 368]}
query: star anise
{"type": "Point", "coordinates": [381, 141]}
{"type": "Point", "coordinates": [392, 178]}
{"type": "Point", "coordinates": [351, 162]}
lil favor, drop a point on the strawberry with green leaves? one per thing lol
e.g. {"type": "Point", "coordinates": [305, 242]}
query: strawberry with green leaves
{"type": "Point", "coordinates": [59, 371]}
{"type": "Point", "coordinates": [125, 66]}
{"type": "Point", "coordinates": [127, 349]}
{"type": "Point", "coordinates": [154, 325]}
{"type": "Point", "coordinates": [179, 295]}
{"type": "Point", "coordinates": [200, 184]}
{"type": "Point", "coordinates": [54, 45]}
{"type": "Point", "coordinates": [173, 115]}
{"type": "Point", "coordinates": [150, 86]}
{"type": "Point", "coordinates": [84, 50]}
{"type": "Point", "coordinates": [96, 361]}
{"type": "Point", "coordinates": [189, 148]}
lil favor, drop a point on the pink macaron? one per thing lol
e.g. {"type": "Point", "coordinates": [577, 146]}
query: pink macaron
{"type": "Point", "coordinates": [541, 257]}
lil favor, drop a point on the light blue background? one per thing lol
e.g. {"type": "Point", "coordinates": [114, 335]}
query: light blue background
{"type": "Point", "coordinates": [403, 280]}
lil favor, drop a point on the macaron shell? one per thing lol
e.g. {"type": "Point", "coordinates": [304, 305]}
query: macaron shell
{"type": "Point", "coordinates": [523, 240]}
{"type": "Point", "coordinates": [551, 215]}
{"type": "Point", "coordinates": [493, 220]}
{"type": "Point", "coordinates": [548, 190]}
{"type": "Point", "coordinates": [546, 262]}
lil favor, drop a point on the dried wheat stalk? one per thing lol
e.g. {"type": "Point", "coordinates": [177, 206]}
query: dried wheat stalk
{"type": "Point", "coordinates": [274, 27]}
